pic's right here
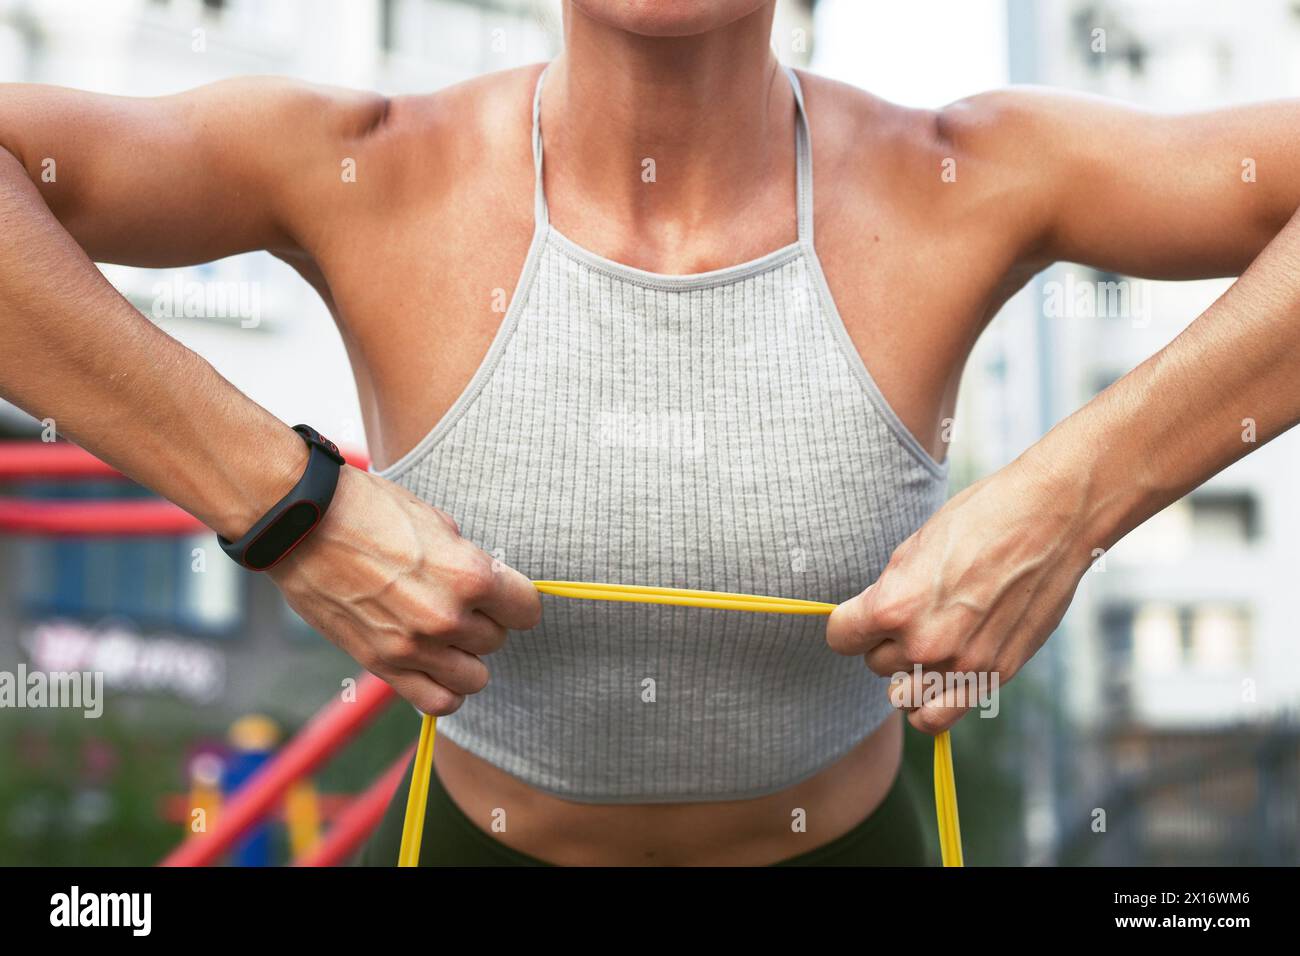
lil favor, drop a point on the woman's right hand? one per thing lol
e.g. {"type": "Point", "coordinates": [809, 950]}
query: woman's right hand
{"type": "Point", "coordinates": [389, 579]}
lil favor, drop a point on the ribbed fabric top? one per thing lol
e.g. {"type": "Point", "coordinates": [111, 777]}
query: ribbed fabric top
{"type": "Point", "coordinates": [715, 431]}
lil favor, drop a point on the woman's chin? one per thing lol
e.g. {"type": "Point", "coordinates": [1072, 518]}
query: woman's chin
{"type": "Point", "coordinates": [667, 18]}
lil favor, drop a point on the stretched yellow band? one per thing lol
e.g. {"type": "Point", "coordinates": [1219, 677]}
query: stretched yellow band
{"type": "Point", "coordinates": [945, 787]}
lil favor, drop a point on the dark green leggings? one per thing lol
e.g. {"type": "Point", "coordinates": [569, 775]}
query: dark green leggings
{"type": "Point", "coordinates": [897, 833]}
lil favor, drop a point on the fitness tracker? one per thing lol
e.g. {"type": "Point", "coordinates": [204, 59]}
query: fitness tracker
{"type": "Point", "coordinates": [283, 527]}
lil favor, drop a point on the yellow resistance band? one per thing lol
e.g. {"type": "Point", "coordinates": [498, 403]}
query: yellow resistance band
{"type": "Point", "coordinates": [945, 787]}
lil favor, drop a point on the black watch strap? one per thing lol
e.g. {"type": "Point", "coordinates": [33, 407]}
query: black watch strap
{"type": "Point", "coordinates": [284, 527]}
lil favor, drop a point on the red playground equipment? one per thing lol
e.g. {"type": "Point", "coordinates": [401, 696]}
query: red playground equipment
{"type": "Point", "coordinates": [264, 793]}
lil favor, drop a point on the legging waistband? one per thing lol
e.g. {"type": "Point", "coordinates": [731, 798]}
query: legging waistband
{"type": "Point", "coordinates": [894, 834]}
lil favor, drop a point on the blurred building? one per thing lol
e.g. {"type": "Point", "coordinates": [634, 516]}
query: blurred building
{"type": "Point", "coordinates": [1178, 665]}
{"type": "Point", "coordinates": [178, 631]}
{"type": "Point", "coordinates": [1164, 699]}
{"type": "Point", "coordinates": [225, 639]}
{"type": "Point", "coordinates": [274, 340]}
{"type": "Point", "coordinates": [1178, 662]}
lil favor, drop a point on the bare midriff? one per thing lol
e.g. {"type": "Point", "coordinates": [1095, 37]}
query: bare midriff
{"type": "Point", "coordinates": [752, 832]}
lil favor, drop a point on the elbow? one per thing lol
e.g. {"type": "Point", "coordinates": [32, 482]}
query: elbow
{"type": "Point", "coordinates": [8, 123]}
{"type": "Point", "coordinates": [11, 153]}
{"type": "Point", "coordinates": [10, 159]}
{"type": "Point", "coordinates": [17, 111]}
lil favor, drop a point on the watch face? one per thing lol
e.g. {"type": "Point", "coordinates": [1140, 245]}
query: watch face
{"type": "Point", "coordinates": [288, 530]}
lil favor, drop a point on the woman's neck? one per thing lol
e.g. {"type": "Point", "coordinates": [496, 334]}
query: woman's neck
{"type": "Point", "coordinates": [666, 131]}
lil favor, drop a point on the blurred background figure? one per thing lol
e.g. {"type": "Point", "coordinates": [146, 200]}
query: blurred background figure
{"type": "Point", "coordinates": [1160, 725]}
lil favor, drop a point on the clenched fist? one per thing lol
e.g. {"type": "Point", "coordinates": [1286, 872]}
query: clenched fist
{"type": "Point", "coordinates": [975, 591]}
{"type": "Point", "coordinates": [390, 580]}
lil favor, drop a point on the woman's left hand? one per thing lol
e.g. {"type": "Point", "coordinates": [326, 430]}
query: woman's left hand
{"type": "Point", "coordinates": [978, 589]}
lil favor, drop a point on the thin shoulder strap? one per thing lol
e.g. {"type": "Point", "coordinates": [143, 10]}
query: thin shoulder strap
{"type": "Point", "coordinates": [803, 163]}
{"type": "Point", "coordinates": [540, 214]}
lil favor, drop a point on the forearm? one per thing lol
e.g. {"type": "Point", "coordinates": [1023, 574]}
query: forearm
{"type": "Point", "coordinates": [73, 350]}
{"type": "Point", "coordinates": [1228, 384]}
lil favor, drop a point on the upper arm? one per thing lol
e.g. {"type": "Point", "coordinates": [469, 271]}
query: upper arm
{"type": "Point", "coordinates": [1137, 192]}
{"type": "Point", "coordinates": [173, 180]}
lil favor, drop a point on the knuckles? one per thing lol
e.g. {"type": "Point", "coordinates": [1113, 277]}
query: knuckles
{"type": "Point", "coordinates": [928, 650]}
{"type": "Point", "coordinates": [892, 614]}
{"type": "Point", "coordinates": [975, 663]}
{"type": "Point", "coordinates": [1005, 667]}
{"type": "Point", "coordinates": [447, 520]}
{"type": "Point", "coordinates": [473, 580]}
{"type": "Point", "coordinates": [402, 651]}
{"type": "Point", "coordinates": [440, 622]}
{"type": "Point", "coordinates": [881, 666]}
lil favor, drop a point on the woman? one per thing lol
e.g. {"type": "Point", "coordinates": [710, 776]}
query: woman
{"type": "Point", "coordinates": [710, 374]}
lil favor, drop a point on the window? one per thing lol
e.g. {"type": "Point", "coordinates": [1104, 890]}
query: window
{"type": "Point", "coordinates": [1116, 623]}
{"type": "Point", "coordinates": [1219, 638]}
{"type": "Point", "coordinates": [1224, 518]}
{"type": "Point", "coordinates": [1163, 638]}
{"type": "Point", "coordinates": [387, 24]}
{"type": "Point", "coordinates": [153, 582]}
{"type": "Point", "coordinates": [1157, 638]}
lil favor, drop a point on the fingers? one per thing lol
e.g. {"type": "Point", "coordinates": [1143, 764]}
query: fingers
{"type": "Point", "coordinates": [936, 701]}
{"type": "Point", "coordinates": [853, 628]}
{"type": "Point", "coordinates": [510, 600]}
{"type": "Point", "coordinates": [438, 655]}
{"type": "Point", "coordinates": [891, 628]}
{"type": "Point", "coordinates": [938, 712]}
{"type": "Point", "coordinates": [475, 581]}
{"type": "Point", "coordinates": [433, 677]}
{"type": "Point", "coordinates": [425, 694]}
{"type": "Point", "coordinates": [453, 669]}
{"type": "Point", "coordinates": [882, 626]}
{"type": "Point", "coordinates": [888, 657]}
{"type": "Point", "coordinates": [480, 635]}
{"type": "Point", "coordinates": [434, 660]}
{"type": "Point", "coordinates": [934, 720]}
{"type": "Point", "coordinates": [392, 581]}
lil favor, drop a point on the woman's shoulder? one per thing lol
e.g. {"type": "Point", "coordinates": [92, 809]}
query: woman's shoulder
{"type": "Point", "coordinates": [844, 118]}
{"type": "Point", "coordinates": [472, 113]}
{"type": "Point", "coordinates": [988, 142]}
